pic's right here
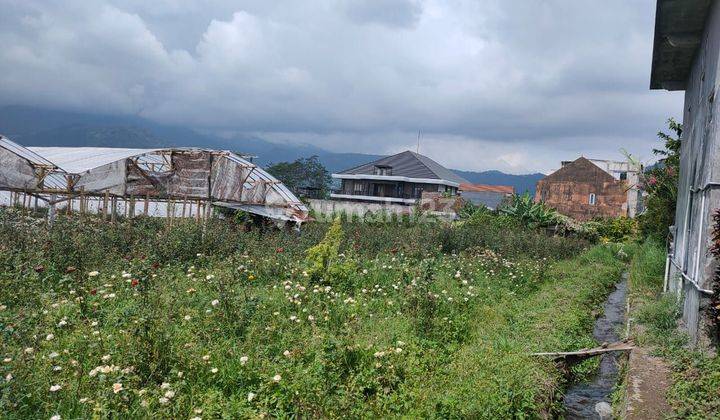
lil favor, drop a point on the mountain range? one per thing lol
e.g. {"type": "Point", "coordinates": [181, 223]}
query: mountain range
{"type": "Point", "coordinates": [31, 126]}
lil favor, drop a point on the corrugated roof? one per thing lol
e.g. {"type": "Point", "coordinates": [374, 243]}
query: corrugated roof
{"type": "Point", "coordinates": [80, 159]}
{"type": "Point", "coordinates": [24, 152]}
{"type": "Point", "coordinates": [504, 189]}
{"type": "Point", "coordinates": [408, 164]}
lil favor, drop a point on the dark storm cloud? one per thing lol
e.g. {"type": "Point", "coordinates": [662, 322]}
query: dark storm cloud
{"type": "Point", "coordinates": [506, 84]}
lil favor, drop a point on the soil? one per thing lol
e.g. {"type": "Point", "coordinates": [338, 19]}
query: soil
{"type": "Point", "coordinates": [647, 384]}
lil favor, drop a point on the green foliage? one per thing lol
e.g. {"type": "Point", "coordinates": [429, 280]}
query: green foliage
{"type": "Point", "coordinates": [695, 374]}
{"type": "Point", "coordinates": [303, 175]}
{"type": "Point", "coordinates": [429, 322]}
{"type": "Point", "coordinates": [528, 212]}
{"type": "Point", "coordinates": [469, 209]}
{"type": "Point", "coordinates": [324, 262]}
{"type": "Point", "coordinates": [619, 229]}
{"type": "Point", "coordinates": [661, 185]}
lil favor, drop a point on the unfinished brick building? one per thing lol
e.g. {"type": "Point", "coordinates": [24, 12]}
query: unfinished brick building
{"type": "Point", "coordinates": [583, 191]}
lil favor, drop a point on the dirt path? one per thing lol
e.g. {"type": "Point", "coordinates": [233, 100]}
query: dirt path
{"type": "Point", "coordinates": [647, 383]}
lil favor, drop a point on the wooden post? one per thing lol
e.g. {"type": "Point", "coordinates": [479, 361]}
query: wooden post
{"type": "Point", "coordinates": [113, 211]}
{"type": "Point", "coordinates": [147, 204]}
{"type": "Point", "coordinates": [131, 210]}
{"type": "Point", "coordinates": [51, 210]}
{"type": "Point", "coordinates": [105, 205]}
{"type": "Point", "coordinates": [183, 207]}
{"type": "Point", "coordinates": [197, 213]}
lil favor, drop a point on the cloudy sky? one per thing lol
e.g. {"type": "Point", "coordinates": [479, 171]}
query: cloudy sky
{"type": "Point", "coordinates": [515, 85]}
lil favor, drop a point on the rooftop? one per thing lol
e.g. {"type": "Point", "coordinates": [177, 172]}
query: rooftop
{"type": "Point", "coordinates": [407, 164]}
{"type": "Point", "coordinates": [679, 26]}
{"type": "Point", "coordinates": [504, 189]}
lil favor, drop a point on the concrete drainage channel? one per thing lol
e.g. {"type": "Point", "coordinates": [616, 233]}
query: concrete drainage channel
{"type": "Point", "coordinates": [591, 399]}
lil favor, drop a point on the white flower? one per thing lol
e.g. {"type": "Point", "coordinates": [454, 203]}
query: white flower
{"type": "Point", "coordinates": [196, 418]}
{"type": "Point", "coordinates": [214, 370]}
{"type": "Point", "coordinates": [251, 396]}
{"type": "Point", "coordinates": [55, 388]}
{"type": "Point", "coordinates": [243, 360]}
{"type": "Point", "coordinates": [209, 277]}
{"type": "Point", "coordinates": [206, 357]}
{"type": "Point", "coordinates": [215, 302]}
{"type": "Point", "coordinates": [165, 385]}
{"type": "Point", "coordinates": [163, 400]}
{"type": "Point", "coordinates": [8, 377]}
{"type": "Point", "coordinates": [286, 353]}
{"type": "Point", "coordinates": [187, 318]}
{"type": "Point", "coordinates": [53, 355]}
{"type": "Point", "coordinates": [62, 323]}
{"type": "Point", "coordinates": [117, 387]}
{"type": "Point", "coordinates": [277, 378]}
{"type": "Point", "coordinates": [55, 417]}
{"type": "Point", "coordinates": [49, 337]}
{"type": "Point", "coordinates": [57, 368]}
{"type": "Point", "coordinates": [106, 358]}
{"type": "Point", "coordinates": [29, 350]}
{"type": "Point", "coordinates": [293, 317]}
{"type": "Point", "coordinates": [7, 360]}
{"type": "Point", "coordinates": [126, 275]}
{"type": "Point", "coordinates": [169, 394]}
{"type": "Point", "coordinates": [398, 350]}
{"type": "Point", "coordinates": [83, 400]}
{"type": "Point", "coordinates": [93, 273]}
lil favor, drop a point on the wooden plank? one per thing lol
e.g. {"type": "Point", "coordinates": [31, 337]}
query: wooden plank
{"type": "Point", "coordinates": [620, 346]}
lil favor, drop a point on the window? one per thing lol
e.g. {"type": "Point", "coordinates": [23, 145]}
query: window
{"type": "Point", "coordinates": [383, 170]}
{"type": "Point", "coordinates": [358, 188]}
{"type": "Point", "coordinates": [591, 199]}
{"type": "Point", "coordinates": [623, 176]}
{"type": "Point", "coordinates": [417, 192]}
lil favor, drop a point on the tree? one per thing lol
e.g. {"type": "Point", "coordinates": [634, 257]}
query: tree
{"type": "Point", "coordinates": [305, 176]}
{"type": "Point", "coordinates": [661, 184]}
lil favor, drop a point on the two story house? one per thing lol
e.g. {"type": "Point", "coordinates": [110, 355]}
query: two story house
{"type": "Point", "coordinates": [397, 179]}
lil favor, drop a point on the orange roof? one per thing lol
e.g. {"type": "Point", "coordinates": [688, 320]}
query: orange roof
{"type": "Point", "coordinates": [505, 189]}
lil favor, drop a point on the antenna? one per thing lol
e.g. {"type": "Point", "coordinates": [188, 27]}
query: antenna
{"type": "Point", "coordinates": [419, 136]}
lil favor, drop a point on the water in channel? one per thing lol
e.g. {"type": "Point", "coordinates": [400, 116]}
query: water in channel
{"type": "Point", "coordinates": [581, 399]}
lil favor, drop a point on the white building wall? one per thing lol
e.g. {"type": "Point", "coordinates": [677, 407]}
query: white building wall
{"type": "Point", "coordinates": [698, 194]}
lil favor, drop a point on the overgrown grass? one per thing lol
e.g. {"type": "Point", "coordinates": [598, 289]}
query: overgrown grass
{"type": "Point", "coordinates": [144, 320]}
{"type": "Point", "coordinates": [696, 374]}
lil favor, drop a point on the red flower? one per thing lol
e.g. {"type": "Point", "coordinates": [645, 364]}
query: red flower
{"type": "Point", "coordinates": [134, 282]}
{"type": "Point", "coordinates": [280, 250]}
{"type": "Point", "coordinates": [93, 292]}
{"type": "Point", "coordinates": [652, 181]}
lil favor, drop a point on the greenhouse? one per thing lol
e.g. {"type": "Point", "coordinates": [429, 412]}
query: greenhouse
{"type": "Point", "coordinates": [168, 182]}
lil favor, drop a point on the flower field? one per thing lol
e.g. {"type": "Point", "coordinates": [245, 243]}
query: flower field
{"type": "Point", "coordinates": [142, 319]}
